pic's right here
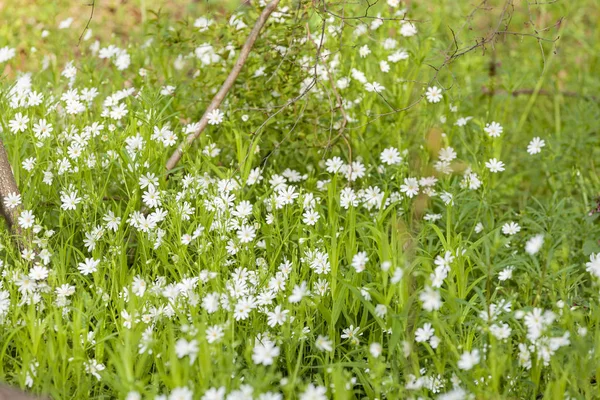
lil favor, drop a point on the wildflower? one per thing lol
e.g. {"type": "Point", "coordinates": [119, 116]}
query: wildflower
{"type": "Point", "coordinates": [299, 292]}
{"type": "Point", "coordinates": [397, 277]}
{"type": "Point", "coordinates": [19, 123]}
{"type": "Point", "coordinates": [246, 233]}
{"type": "Point", "coordinates": [431, 299]}
{"type": "Point", "coordinates": [69, 200]}
{"type": "Point", "coordinates": [364, 51]}
{"type": "Point", "coordinates": [181, 393]}
{"type": "Point", "coordinates": [500, 331]}
{"type": "Point", "coordinates": [89, 266]}
{"type": "Point", "coordinates": [469, 359]}
{"type": "Point", "coordinates": [494, 165]}
{"type": "Point", "coordinates": [264, 352]}
{"type": "Point", "coordinates": [323, 343]}
{"type": "Point", "coordinates": [534, 244]}
{"type": "Point", "coordinates": [26, 219]}
{"type": "Point", "coordinates": [184, 348]}
{"type": "Point", "coordinates": [511, 228]}
{"type": "Point", "coordinates": [433, 94]}
{"type": "Point", "coordinates": [374, 87]}
{"type": "Point", "coordinates": [93, 367]}
{"type": "Point", "coordinates": [6, 53]}
{"type": "Point", "coordinates": [408, 29]}
{"type": "Point", "coordinates": [493, 129]}
{"type": "Point", "coordinates": [310, 217]}
{"type": "Point", "coordinates": [351, 334]}
{"type": "Point", "coordinates": [535, 146]}
{"type": "Point", "coordinates": [214, 334]}
{"type": "Point", "coordinates": [215, 394]}
{"type": "Point", "coordinates": [277, 317]}
{"type": "Point", "coordinates": [390, 156]}
{"type": "Point", "coordinates": [313, 392]}
{"type": "Point", "coordinates": [12, 200]}
{"type": "Point", "coordinates": [447, 154]}
{"type": "Point", "coordinates": [359, 261]}
{"type": "Point", "coordinates": [424, 333]}
{"type": "Point", "coordinates": [506, 273]}
{"type": "Point", "coordinates": [410, 187]}
{"type": "Point", "coordinates": [375, 349]}
{"type": "Point", "coordinates": [215, 117]}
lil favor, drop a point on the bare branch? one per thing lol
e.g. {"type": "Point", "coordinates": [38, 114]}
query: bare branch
{"type": "Point", "coordinates": [231, 78]}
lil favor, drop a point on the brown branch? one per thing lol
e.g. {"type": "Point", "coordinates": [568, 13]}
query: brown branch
{"type": "Point", "coordinates": [8, 185]}
{"type": "Point", "coordinates": [218, 99]}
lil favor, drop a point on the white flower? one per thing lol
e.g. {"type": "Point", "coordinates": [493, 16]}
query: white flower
{"type": "Point", "coordinates": [6, 53]}
{"type": "Point", "coordinates": [535, 146]}
{"type": "Point", "coordinates": [184, 348]}
{"type": "Point", "coordinates": [510, 228]}
{"type": "Point", "coordinates": [431, 299]}
{"type": "Point", "coordinates": [434, 94]}
{"type": "Point", "coordinates": [214, 334]}
{"type": "Point", "coordinates": [534, 244]}
{"type": "Point", "coordinates": [500, 331]}
{"type": "Point", "coordinates": [323, 343]}
{"type": "Point", "coordinates": [89, 266]}
{"type": "Point", "coordinates": [26, 219]}
{"type": "Point", "coordinates": [410, 187]}
{"type": "Point", "coordinates": [424, 333]}
{"type": "Point", "coordinates": [359, 261]}
{"type": "Point", "coordinates": [215, 117]}
{"type": "Point", "coordinates": [264, 352]}
{"type": "Point", "coordinates": [12, 200]}
{"type": "Point", "coordinates": [313, 392]}
{"type": "Point", "coordinates": [408, 29]}
{"type": "Point", "coordinates": [506, 273]}
{"type": "Point", "coordinates": [93, 367]}
{"type": "Point", "coordinates": [246, 233]}
{"type": "Point", "coordinates": [277, 317]}
{"type": "Point", "coordinates": [374, 87]}
{"type": "Point", "coordinates": [390, 156]}
{"type": "Point", "coordinates": [493, 129]}
{"type": "Point", "coordinates": [593, 266]}
{"type": "Point", "coordinates": [469, 359]}
{"type": "Point", "coordinates": [447, 154]}
{"type": "Point", "coordinates": [181, 393]}
{"type": "Point", "coordinates": [375, 349]}
{"type": "Point", "coordinates": [69, 200]}
{"type": "Point", "coordinates": [494, 165]}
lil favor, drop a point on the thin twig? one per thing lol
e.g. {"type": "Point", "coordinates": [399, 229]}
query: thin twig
{"type": "Point", "coordinates": [87, 25]}
{"type": "Point", "coordinates": [218, 99]}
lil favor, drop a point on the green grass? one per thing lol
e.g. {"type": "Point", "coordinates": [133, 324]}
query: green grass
{"type": "Point", "coordinates": [146, 311]}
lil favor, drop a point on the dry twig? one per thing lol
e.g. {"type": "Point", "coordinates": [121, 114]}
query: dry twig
{"type": "Point", "coordinates": [231, 78]}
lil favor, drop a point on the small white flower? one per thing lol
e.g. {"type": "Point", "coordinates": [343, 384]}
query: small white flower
{"type": "Point", "coordinates": [493, 129]}
{"type": "Point", "coordinates": [434, 94]}
{"type": "Point", "coordinates": [495, 165]}
{"type": "Point", "coordinates": [469, 359]}
{"type": "Point", "coordinates": [390, 156]}
{"type": "Point", "coordinates": [265, 352]}
{"type": "Point", "coordinates": [89, 266]}
{"type": "Point", "coordinates": [534, 244]}
{"type": "Point", "coordinates": [215, 117]}
{"type": "Point", "coordinates": [511, 228]}
{"type": "Point", "coordinates": [535, 146]}
{"type": "Point", "coordinates": [375, 349]}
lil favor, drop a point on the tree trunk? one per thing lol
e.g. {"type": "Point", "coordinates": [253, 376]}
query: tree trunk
{"type": "Point", "coordinates": [8, 185]}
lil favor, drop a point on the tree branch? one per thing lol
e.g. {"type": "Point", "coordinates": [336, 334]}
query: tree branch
{"type": "Point", "coordinates": [231, 78]}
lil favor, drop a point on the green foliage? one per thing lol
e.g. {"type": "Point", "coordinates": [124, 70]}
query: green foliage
{"type": "Point", "coordinates": [259, 216]}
